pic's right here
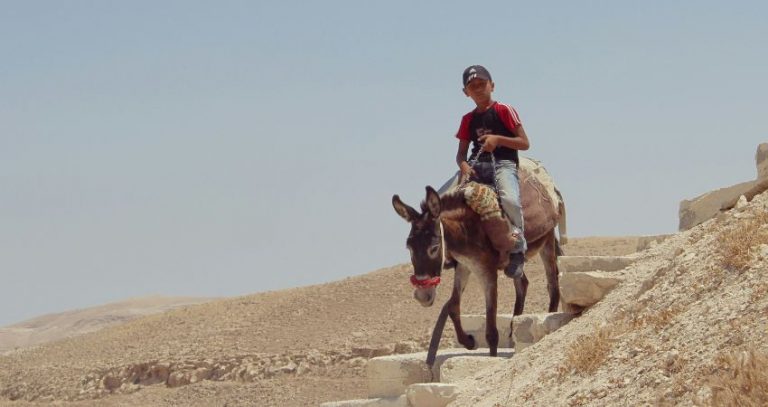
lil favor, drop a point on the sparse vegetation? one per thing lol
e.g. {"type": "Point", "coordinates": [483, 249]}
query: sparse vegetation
{"type": "Point", "coordinates": [737, 243]}
{"type": "Point", "coordinates": [588, 353]}
{"type": "Point", "coordinates": [742, 380]}
{"type": "Point", "coordinates": [655, 319]}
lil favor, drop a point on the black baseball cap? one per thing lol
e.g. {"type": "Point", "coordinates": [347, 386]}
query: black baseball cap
{"type": "Point", "coordinates": [475, 71]}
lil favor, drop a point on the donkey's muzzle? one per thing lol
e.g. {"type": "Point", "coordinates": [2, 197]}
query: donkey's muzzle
{"type": "Point", "coordinates": [425, 296]}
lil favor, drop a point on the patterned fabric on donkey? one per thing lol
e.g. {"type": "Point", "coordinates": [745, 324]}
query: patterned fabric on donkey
{"type": "Point", "coordinates": [484, 201]}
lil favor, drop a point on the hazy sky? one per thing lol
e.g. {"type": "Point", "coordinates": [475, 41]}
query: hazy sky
{"type": "Point", "coordinates": [226, 148]}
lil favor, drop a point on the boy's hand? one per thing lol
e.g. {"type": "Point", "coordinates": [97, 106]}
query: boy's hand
{"type": "Point", "coordinates": [489, 141]}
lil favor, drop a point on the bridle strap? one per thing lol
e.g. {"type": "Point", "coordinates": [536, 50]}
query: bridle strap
{"type": "Point", "coordinates": [442, 246]}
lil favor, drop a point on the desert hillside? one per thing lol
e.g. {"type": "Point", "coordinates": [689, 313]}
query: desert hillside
{"type": "Point", "coordinates": [53, 327]}
{"type": "Point", "coordinates": [294, 347]}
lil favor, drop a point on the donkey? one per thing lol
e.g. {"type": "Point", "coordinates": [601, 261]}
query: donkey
{"type": "Point", "coordinates": [446, 226]}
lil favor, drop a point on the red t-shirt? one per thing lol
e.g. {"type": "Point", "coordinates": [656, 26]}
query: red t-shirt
{"type": "Point", "coordinates": [500, 119]}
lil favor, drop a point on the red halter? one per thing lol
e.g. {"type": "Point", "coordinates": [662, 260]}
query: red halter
{"type": "Point", "coordinates": [425, 283]}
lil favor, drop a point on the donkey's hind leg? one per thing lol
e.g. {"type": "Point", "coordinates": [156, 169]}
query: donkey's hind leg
{"type": "Point", "coordinates": [521, 290]}
{"type": "Point", "coordinates": [490, 288]}
{"type": "Point", "coordinates": [549, 253]}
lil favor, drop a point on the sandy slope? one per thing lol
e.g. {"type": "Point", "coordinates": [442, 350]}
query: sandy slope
{"type": "Point", "coordinates": [293, 347]}
{"type": "Point", "coordinates": [669, 331]}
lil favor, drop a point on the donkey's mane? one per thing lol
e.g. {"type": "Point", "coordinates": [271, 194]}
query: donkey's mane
{"type": "Point", "coordinates": [452, 206]}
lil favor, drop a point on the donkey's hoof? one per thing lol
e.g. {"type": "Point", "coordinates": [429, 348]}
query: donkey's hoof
{"type": "Point", "coordinates": [471, 343]}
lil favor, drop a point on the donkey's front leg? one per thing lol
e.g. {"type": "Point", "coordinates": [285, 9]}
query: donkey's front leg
{"type": "Point", "coordinates": [437, 333]}
{"type": "Point", "coordinates": [459, 283]}
{"type": "Point", "coordinates": [490, 288]}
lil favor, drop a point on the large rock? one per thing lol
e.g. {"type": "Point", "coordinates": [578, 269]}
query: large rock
{"type": "Point", "coordinates": [571, 264]}
{"type": "Point", "coordinates": [761, 159]}
{"type": "Point", "coordinates": [431, 394]}
{"type": "Point", "coordinates": [704, 207]}
{"type": "Point", "coordinates": [531, 328]}
{"type": "Point", "coordinates": [586, 288]}
{"type": "Point", "coordinates": [399, 401]}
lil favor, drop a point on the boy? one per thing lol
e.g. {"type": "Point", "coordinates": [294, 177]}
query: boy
{"type": "Point", "coordinates": [497, 134]}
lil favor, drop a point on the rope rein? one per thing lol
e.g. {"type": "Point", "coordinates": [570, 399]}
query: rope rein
{"type": "Point", "coordinates": [473, 162]}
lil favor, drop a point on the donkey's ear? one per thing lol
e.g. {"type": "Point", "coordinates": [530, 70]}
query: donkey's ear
{"type": "Point", "coordinates": [433, 202]}
{"type": "Point", "coordinates": [405, 211]}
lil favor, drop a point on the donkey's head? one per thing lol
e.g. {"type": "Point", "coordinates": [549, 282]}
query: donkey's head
{"type": "Point", "coordinates": [426, 244]}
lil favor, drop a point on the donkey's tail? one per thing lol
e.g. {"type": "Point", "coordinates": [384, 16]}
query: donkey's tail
{"type": "Point", "coordinates": [561, 229]}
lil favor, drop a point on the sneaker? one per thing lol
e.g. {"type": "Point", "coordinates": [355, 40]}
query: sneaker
{"type": "Point", "coordinates": [515, 268]}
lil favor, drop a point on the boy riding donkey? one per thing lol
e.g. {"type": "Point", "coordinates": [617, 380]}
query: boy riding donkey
{"type": "Point", "coordinates": [496, 134]}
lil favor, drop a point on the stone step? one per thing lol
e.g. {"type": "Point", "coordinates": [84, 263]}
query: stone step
{"type": "Point", "coordinates": [416, 395]}
{"type": "Point", "coordinates": [646, 242]}
{"type": "Point", "coordinates": [399, 401]}
{"type": "Point", "coordinates": [571, 264]}
{"type": "Point", "coordinates": [475, 326]}
{"type": "Point", "coordinates": [531, 328]}
{"type": "Point", "coordinates": [460, 367]}
{"type": "Point", "coordinates": [584, 289]}
{"type": "Point", "coordinates": [390, 376]}
{"type": "Point", "coordinates": [528, 328]}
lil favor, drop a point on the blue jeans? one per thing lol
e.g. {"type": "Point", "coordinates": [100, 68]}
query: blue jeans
{"type": "Point", "coordinates": [508, 185]}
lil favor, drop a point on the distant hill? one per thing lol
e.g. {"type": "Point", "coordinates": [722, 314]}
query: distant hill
{"type": "Point", "coordinates": [52, 327]}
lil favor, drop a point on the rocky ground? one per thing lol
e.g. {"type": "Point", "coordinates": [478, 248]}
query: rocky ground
{"type": "Point", "coordinates": [687, 326]}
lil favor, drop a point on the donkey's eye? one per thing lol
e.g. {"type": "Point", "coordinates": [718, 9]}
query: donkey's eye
{"type": "Point", "coordinates": [433, 251]}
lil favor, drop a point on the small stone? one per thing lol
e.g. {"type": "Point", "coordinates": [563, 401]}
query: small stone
{"type": "Point", "coordinates": [177, 379]}
{"type": "Point", "coordinates": [200, 374]}
{"type": "Point", "coordinates": [741, 202]}
{"type": "Point", "coordinates": [303, 369]}
{"type": "Point", "coordinates": [411, 346]}
{"type": "Point", "coordinates": [111, 382]}
{"type": "Point", "coordinates": [289, 368]}
{"type": "Point", "coordinates": [431, 394]}
{"type": "Point", "coordinates": [357, 362]}
{"type": "Point", "coordinates": [764, 251]}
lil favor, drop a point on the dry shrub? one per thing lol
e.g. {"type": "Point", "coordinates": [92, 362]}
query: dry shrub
{"type": "Point", "coordinates": [588, 352]}
{"type": "Point", "coordinates": [742, 380]}
{"type": "Point", "coordinates": [738, 242]}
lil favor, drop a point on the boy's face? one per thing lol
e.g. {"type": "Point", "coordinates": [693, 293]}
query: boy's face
{"type": "Point", "coordinates": [479, 90]}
